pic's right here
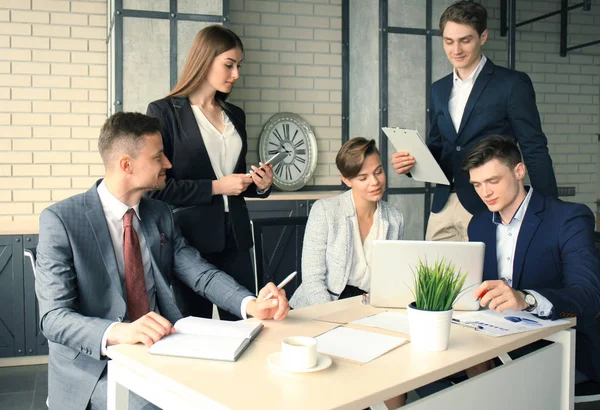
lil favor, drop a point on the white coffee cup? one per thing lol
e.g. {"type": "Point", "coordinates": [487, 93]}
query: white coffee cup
{"type": "Point", "coordinates": [298, 352]}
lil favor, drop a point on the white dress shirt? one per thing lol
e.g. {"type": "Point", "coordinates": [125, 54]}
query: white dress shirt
{"type": "Point", "coordinates": [223, 148]}
{"type": "Point", "coordinates": [506, 243]}
{"type": "Point", "coordinates": [114, 210]}
{"type": "Point", "coordinates": [360, 275]}
{"type": "Point", "coordinates": [461, 90]}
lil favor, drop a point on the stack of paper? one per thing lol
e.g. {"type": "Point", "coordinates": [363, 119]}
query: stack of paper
{"type": "Point", "coordinates": [207, 339]}
{"type": "Point", "coordinates": [356, 345]}
{"type": "Point", "coordinates": [394, 321]}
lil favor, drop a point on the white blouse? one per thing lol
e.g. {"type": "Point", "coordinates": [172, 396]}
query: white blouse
{"type": "Point", "coordinates": [360, 275]}
{"type": "Point", "coordinates": [223, 148]}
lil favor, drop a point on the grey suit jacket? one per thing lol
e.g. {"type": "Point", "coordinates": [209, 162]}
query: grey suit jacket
{"type": "Point", "coordinates": [80, 294]}
{"type": "Point", "coordinates": [327, 254]}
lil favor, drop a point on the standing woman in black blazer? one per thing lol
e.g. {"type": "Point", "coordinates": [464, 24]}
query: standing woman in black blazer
{"type": "Point", "coordinates": [205, 139]}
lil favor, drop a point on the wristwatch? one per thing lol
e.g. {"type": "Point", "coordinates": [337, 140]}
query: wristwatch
{"type": "Point", "coordinates": [530, 300]}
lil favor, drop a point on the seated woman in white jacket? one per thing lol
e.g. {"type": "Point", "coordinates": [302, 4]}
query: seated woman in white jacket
{"type": "Point", "coordinates": [336, 257]}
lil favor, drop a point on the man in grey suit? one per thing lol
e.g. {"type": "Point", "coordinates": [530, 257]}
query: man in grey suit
{"type": "Point", "coordinates": [105, 262]}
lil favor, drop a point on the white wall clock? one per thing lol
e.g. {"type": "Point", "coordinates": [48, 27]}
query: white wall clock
{"type": "Point", "coordinates": [288, 132]}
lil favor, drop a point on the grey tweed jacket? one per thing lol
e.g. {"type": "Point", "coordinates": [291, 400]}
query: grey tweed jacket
{"type": "Point", "coordinates": [80, 293]}
{"type": "Point", "coordinates": [327, 254]}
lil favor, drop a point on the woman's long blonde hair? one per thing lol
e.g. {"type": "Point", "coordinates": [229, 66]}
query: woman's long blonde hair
{"type": "Point", "coordinates": [209, 43]}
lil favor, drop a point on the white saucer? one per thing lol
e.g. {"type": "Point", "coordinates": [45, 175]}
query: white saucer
{"type": "Point", "coordinates": [323, 362]}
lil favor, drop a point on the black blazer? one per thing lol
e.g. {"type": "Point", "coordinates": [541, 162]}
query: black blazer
{"type": "Point", "coordinates": [199, 214]}
{"type": "Point", "coordinates": [502, 101]}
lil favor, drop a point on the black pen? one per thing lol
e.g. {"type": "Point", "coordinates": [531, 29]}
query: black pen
{"type": "Point", "coordinates": [467, 325]}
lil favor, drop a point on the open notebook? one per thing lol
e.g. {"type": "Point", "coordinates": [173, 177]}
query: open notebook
{"type": "Point", "coordinates": [208, 339]}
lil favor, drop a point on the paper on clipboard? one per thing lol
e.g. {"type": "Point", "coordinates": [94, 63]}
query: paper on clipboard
{"type": "Point", "coordinates": [426, 168]}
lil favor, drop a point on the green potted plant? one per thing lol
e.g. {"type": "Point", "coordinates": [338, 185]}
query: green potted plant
{"type": "Point", "coordinates": [436, 288]}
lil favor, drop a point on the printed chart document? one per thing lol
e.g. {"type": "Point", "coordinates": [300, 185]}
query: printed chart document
{"type": "Point", "coordinates": [394, 321]}
{"type": "Point", "coordinates": [207, 339]}
{"type": "Point", "coordinates": [426, 168]}
{"type": "Point", "coordinates": [509, 322]}
{"type": "Point", "coordinates": [356, 345]}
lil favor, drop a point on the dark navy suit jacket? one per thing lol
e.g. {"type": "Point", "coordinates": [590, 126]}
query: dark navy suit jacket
{"type": "Point", "coordinates": [502, 101]}
{"type": "Point", "coordinates": [555, 256]}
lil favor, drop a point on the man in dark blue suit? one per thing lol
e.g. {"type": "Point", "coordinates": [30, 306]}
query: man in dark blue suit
{"type": "Point", "coordinates": [477, 99]}
{"type": "Point", "coordinates": [540, 255]}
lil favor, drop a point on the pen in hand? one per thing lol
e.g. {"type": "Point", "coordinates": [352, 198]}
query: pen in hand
{"type": "Point", "coordinates": [281, 285]}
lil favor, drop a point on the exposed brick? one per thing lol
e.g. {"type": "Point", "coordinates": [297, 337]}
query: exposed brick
{"type": "Point", "coordinates": [89, 108]}
{"type": "Point", "coordinates": [14, 158]}
{"type": "Point", "coordinates": [15, 208]}
{"type": "Point", "coordinates": [51, 132]}
{"type": "Point", "coordinates": [69, 119]}
{"type": "Point", "coordinates": [88, 82]}
{"type": "Point", "coordinates": [83, 183]}
{"type": "Point", "coordinates": [69, 69]}
{"type": "Point", "coordinates": [47, 30]}
{"type": "Point", "coordinates": [15, 106]}
{"type": "Point", "coordinates": [69, 170]}
{"type": "Point", "coordinates": [60, 194]}
{"type": "Point", "coordinates": [97, 21]}
{"type": "Point", "coordinates": [69, 44]}
{"type": "Point", "coordinates": [312, 21]}
{"type": "Point", "coordinates": [15, 132]}
{"type": "Point", "coordinates": [31, 145]}
{"type": "Point", "coordinates": [51, 106]}
{"type": "Point", "coordinates": [18, 29]}
{"type": "Point", "coordinates": [30, 170]}
{"type": "Point", "coordinates": [70, 145]}
{"type": "Point", "coordinates": [295, 82]}
{"type": "Point", "coordinates": [89, 8]}
{"type": "Point", "coordinates": [268, 6]}
{"type": "Point", "coordinates": [295, 8]}
{"type": "Point", "coordinates": [296, 33]}
{"type": "Point", "coordinates": [69, 95]}
{"type": "Point", "coordinates": [278, 45]}
{"type": "Point", "coordinates": [32, 195]}
{"type": "Point", "coordinates": [97, 95]}
{"type": "Point", "coordinates": [297, 107]}
{"type": "Point", "coordinates": [86, 158]}
{"type": "Point", "coordinates": [30, 68]}
{"type": "Point", "coordinates": [30, 42]}
{"type": "Point", "coordinates": [16, 54]}
{"type": "Point", "coordinates": [278, 19]}
{"type": "Point", "coordinates": [51, 157]}
{"type": "Point", "coordinates": [30, 119]}
{"type": "Point", "coordinates": [51, 183]}
{"type": "Point", "coordinates": [88, 32]}
{"type": "Point", "coordinates": [30, 16]}
{"type": "Point", "coordinates": [296, 58]}
{"type": "Point", "coordinates": [50, 5]}
{"type": "Point", "coordinates": [313, 46]}
{"type": "Point", "coordinates": [17, 4]}
{"type": "Point", "coordinates": [52, 81]}
{"type": "Point", "coordinates": [51, 56]}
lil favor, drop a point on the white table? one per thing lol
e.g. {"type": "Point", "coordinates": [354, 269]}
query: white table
{"type": "Point", "coordinates": [541, 380]}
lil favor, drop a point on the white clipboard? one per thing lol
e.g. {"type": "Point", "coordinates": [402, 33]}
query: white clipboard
{"type": "Point", "coordinates": [426, 168]}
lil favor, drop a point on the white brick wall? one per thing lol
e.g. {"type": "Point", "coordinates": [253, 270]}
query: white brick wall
{"type": "Point", "coordinates": [292, 62]}
{"type": "Point", "coordinates": [52, 102]}
{"type": "Point", "coordinates": [567, 88]}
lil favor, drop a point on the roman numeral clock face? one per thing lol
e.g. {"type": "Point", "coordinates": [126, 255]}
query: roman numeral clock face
{"type": "Point", "coordinates": [289, 133]}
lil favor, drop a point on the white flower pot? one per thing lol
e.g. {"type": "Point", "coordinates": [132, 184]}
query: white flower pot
{"type": "Point", "coordinates": [429, 330]}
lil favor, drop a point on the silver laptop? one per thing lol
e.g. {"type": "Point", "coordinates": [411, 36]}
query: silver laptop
{"type": "Point", "coordinates": [392, 282]}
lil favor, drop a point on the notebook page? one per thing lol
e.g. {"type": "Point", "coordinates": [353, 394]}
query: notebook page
{"type": "Point", "coordinates": [201, 326]}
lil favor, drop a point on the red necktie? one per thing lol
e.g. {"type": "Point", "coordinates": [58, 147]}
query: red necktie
{"type": "Point", "coordinates": [137, 298]}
